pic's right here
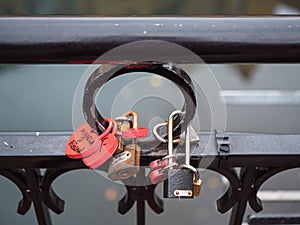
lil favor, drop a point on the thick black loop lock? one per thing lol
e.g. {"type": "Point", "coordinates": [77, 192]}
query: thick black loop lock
{"type": "Point", "coordinates": [170, 71]}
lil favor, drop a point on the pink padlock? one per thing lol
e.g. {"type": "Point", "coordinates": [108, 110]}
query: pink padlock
{"type": "Point", "coordinates": [109, 146]}
{"type": "Point", "coordinates": [161, 163]}
{"type": "Point", "coordinates": [157, 176]}
{"type": "Point", "coordinates": [84, 141]}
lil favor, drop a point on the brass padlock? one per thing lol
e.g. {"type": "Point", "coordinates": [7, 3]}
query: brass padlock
{"type": "Point", "coordinates": [197, 185]}
{"type": "Point", "coordinates": [197, 182]}
{"type": "Point", "coordinates": [124, 164]}
{"type": "Point", "coordinates": [127, 162]}
{"type": "Point", "coordinates": [123, 123]}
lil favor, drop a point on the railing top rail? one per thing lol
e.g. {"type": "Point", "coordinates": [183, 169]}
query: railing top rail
{"type": "Point", "coordinates": [63, 39]}
{"type": "Point", "coordinates": [47, 150]}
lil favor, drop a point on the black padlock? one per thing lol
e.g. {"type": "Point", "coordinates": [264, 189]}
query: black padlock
{"type": "Point", "coordinates": [179, 184]}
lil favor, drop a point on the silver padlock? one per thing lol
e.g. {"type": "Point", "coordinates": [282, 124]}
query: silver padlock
{"type": "Point", "coordinates": [159, 168]}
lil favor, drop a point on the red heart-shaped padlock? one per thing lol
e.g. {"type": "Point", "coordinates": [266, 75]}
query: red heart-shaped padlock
{"type": "Point", "coordinates": [84, 141]}
{"type": "Point", "coordinates": [109, 146]}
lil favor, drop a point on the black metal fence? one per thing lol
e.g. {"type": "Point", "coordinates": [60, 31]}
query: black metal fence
{"type": "Point", "coordinates": [215, 40]}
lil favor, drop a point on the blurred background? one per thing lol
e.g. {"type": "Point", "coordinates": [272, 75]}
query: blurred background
{"type": "Point", "coordinates": [107, 7]}
{"type": "Point", "coordinates": [40, 98]}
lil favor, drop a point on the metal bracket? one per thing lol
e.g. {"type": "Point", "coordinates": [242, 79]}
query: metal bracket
{"type": "Point", "coordinates": [222, 140]}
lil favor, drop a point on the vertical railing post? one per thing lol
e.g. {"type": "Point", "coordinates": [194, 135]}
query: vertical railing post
{"type": "Point", "coordinates": [33, 177]}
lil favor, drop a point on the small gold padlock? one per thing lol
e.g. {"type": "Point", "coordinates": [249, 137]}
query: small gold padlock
{"type": "Point", "coordinates": [196, 176]}
{"type": "Point", "coordinates": [197, 185]}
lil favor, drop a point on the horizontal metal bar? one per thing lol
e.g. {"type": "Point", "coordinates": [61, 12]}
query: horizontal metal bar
{"type": "Point", "coordinates": [260, 97]}
{"type": "Point", "coordinates": [269, 39]}
{"type": "Point", "coordinates": [245, 150]}
{"type": "Point", "coordinates": [37, 133]}
{"type": "Point", "coordinates": [271, 219]}
{"type": "Point", "coordinates": [286, 195]}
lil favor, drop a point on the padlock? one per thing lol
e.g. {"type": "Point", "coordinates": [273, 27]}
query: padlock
{"type": "Point", "coordinates": [161, 166]}
{"type": "Point", "coordinates": [158, 164]}
{"type": "Point", "coordinates": [161, 163]}
{"type": "Point", "coordinates": [197, 185]}
{"type": "Point", "coordinates": [179, 184]}
{"type": "Point", "coordinates": [107, 149]}
{"type": "Point", "coordinates": [197, 182]}
{"type": "Point", "coordinates": [127, 162]}
{"type": "Point", "coordinates": [123, 123]}
{"type": "Point", "coordinates": [84, 141]}
{"type": "Point", "coordinates": [180, 180]}
{"type": "Point", "coordinates": [135, 131]}
{"type": "Point", "coordinates": [194, 137]}
{"type": "Point", "coordinates": [160, 138]}
{"type": "Point", "coordinates": [158, 175]}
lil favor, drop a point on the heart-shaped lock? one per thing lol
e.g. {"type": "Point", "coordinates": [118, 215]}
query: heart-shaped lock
{"type": "Point", "coordinates": [84, 141]}
{"type": "Point", "coordinates": [109, 146]}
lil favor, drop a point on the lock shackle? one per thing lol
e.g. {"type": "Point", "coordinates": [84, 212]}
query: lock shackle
{"type": "Point", "coordinates": [135, 119]}
{"type": "Point", "coordinates": [170, 131]}
{"type": "Point", "coordinates": [106, 72]}
{"type": "Point", "coordinates": [169, 157]}
{"type": "Point", "coordinates": [171, 166]}
{"type": "Point", "coordinates": [122, 119]}
{"type": "Point", "coordinates": [187, 146]}
{"type": "Point", "coordinates": [191, 168]}
{"type": "Point", "coordinates": [109, 128]}
{"type": "Point", "coordinates": [187, 164]}
{"type": "Point", "coordinates": [114, 128]}
{"type": "Point", "coordinates": [160, 138]}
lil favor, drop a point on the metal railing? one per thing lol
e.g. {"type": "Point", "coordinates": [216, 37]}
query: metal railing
{"type": "Point", "coordinates": [273, 39]}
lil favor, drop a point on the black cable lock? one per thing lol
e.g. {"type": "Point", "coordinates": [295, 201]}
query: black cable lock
{"type": "Point", "coordinates": [106, 72]}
